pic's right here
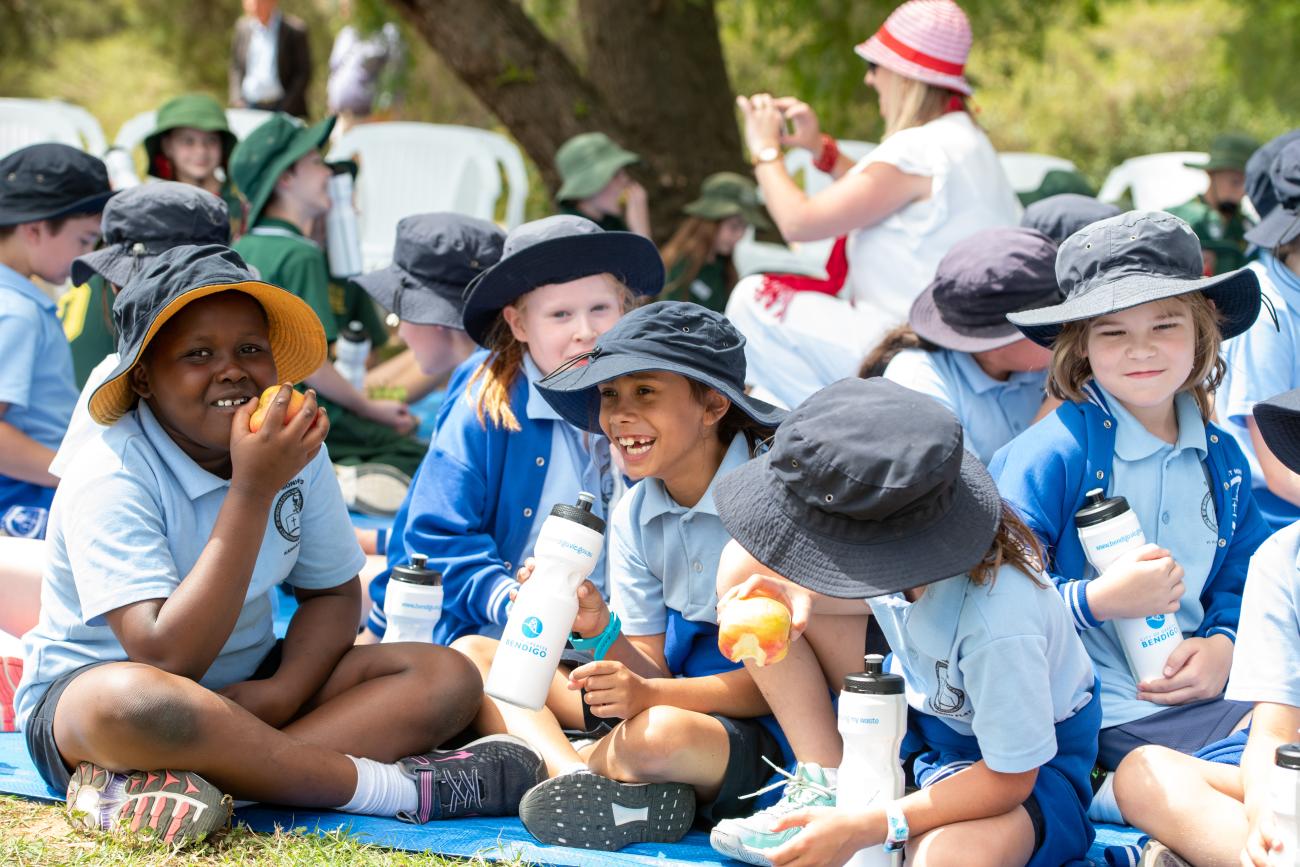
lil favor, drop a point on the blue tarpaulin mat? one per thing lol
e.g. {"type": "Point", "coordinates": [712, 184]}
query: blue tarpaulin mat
{"type": "Point", "coordinates": [490, 838]}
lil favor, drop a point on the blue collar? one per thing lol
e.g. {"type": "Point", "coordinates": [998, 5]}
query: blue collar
{"type": "Point", "coordinates": [1283, 277]}
{"type": "Point", "coordinates": [1133, 442]}
{"type": "Point", "coordinates": [13, 280]}
{"type": "Point", "coordinates": [979, 382]}
{"type": "Point", "coordinates": [657, 501]}
{"type": "Point", "coordinates": [195, 480]}
{"type": "Point", "coordinates": [537, 408]}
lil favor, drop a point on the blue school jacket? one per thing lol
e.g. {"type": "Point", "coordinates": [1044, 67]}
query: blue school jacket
{"type": "Point", "coordinates": [1046, 471]}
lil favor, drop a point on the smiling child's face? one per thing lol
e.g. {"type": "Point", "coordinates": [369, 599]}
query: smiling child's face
{"type": "Point", "coordinates": [1143, 355]}
{"type": "Point", "coordinates": [208, 359]}
{"type": "Point", "coordinates": [657, 424]}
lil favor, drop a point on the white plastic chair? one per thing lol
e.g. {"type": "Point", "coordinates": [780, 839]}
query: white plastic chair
{"type": "Point", "coordinates": [807, 257]}
{"type": "Point", "coordinates": [132, 134]}
{"type": "Point", "coordinates": [26, 122]}
{"type": "Point", "coordinates": [414, 168]}
{"type": "Point", "coordinates": [1026, 171]}
{"type": "Point", "coordinates": [242, 121]}
{"type": "Point", "coordinates": [1157, 181]}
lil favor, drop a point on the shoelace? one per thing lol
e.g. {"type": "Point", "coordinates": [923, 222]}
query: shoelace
{"type": "Point", "coordinates": [465, 791]}
{"type": "Point", "coordinates": [797, 787]}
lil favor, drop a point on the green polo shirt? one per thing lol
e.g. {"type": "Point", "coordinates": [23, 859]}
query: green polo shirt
{"type": "Point", "coordinates": [708, 289]}
{"type": "Point", "coordinates": [609, 222]}
{"type": "Point", "coordinates": [1226, 239]}
{"type": "Point", "coordinates": [87, 315]}
{"type": "Point", "coordinates": [286, 258]}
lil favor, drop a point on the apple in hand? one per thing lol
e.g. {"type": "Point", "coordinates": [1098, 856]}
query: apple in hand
{"type": "Point", "coordinates": [756, 627]}
{"type": "Point", "coordinates": [296, 400]}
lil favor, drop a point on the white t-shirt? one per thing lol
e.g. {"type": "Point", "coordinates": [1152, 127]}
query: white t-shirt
{"type": "Point", "coordinates": [893, 261]}
{"type": "Point", "coordinates": [82, 428]}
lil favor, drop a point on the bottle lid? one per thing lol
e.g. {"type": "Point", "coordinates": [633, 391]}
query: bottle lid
{"type": "Point", "coordinates": [874, 680]}
{"type": "Point", "coordinates": [1288, 756]}
{"type": "Point", "coordinates": [580, 512]}
{"type": "Point", "coordinates": [1097, 509]}
{"type": "Point", "coordinates": [354, 331]}
{"type": "Point", "coordinates": [416, 573]}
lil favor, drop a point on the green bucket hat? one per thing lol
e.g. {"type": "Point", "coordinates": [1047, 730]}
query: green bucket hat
{"type": "Point", "coordinates": [260, 159]}
{"type": "Point", "coordinates": [192, 110]}
{"type": "Point", "coordinates": [1228, 152]}
{"type": "Point", "coordinates": [726, 194]}
{"type": "Point", "coordinates": [1056, 182]}
{"type": "Point", "coordinates": [587, 162]}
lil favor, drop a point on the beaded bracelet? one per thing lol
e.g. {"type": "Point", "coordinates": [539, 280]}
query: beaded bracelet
{"type": "Point", "coordinates": [829, 156]}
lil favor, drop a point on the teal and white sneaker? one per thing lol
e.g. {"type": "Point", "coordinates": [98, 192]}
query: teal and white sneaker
{"type": "Point", "coordinates": [750, 839]}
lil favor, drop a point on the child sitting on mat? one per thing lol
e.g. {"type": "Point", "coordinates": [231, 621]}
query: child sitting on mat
{"type": "Point", "coordinates": [154, 688]}
{"type": "Point", "coordinates": [675, 723]}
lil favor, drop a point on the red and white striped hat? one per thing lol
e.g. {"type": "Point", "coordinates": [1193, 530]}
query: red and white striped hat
{"type": "Point", "coordinates": [927, 40]}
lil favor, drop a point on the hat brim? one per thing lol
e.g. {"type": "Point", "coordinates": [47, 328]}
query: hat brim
{"type": "Point", "coordinates": [631, 258]}
{"type": "Point", "coordinates": [593, 178]}
{"type": "Point", "coordinates": [304, 141]}
{"type": "Point", "coordinates": [875, 51]}
{"type": "Point", "coordinates": [423, 302]}
{"type": "Point", "coordinates": [761, 514]}
{"type": "Point", "coordinates": [1235, 296]}
{"type": "Point", "coordinates": [929, 325]}
{"type": "Point", "coordinates": [297, 343]}
{"type": "Point", "coordinates": [1279, 424]}
{"type": "Point", "coordinates": [88, 205]}
{"type": "Point", "coordinates": [1280, 226]}
{"type": "Point", "coordinates": [575, 394]}
{"type": "Point", "coordinates": [114, 263]}
{"type": "Point", "coordinates": [715, 210]}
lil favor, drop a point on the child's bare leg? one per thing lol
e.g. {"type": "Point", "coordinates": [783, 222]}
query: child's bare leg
{"type": "Point", "coordinates": [543, 729]}
{"type": "Point", "coordinates": [999, 841]}
{"type": "Point", "coordinates": [665, 745]}
{"type": "Point", "coordinates": [21, 561]}
{"type": "Point", "coordinates": [795, 687]}
{"type": "Point", "coordinates": [1192, 806]}
{"type": "Point", "coordinates": [129, 716]}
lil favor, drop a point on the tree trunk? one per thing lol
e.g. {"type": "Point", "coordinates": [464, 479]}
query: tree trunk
{"type": "Point", "coordinates": [656, 83]}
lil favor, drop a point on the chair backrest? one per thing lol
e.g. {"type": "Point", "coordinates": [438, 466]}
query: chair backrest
{"type": "Point", "coordinates": [1156, 181]}
{"type": "Point", "coordinates": [414, 168]}
{"type": "Point", "coordinates": [26, 122]}
{"type": "Point", "coordinates": [1026, 171]}
{"type": "Point", "coordinates": [242, 121]}
{"type": "Point", "coordinates": [799, 160]}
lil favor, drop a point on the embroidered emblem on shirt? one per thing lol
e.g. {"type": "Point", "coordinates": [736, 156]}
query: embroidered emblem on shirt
{"type": "Point", "coordinates": [288, 512]}
{"type": "Point", "coordinates": [949, 700]}
{"type": "Point", "coordinates": [1207, 513]}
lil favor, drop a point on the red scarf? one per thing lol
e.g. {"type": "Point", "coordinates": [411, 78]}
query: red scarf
{"type": "Point", "coordinates": [778, 289]}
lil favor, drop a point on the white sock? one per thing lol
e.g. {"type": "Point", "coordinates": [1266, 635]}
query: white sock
{"type": "Point", "coordinates": [1104, 807]}
{"type": "Point", "coordinates": [382, 790]}
{"type": "Point", "coordinates": [574, 768]}
{"type": "Point", "coordinates": [832, 776]}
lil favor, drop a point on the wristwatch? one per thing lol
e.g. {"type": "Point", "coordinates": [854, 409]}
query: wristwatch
{"type": "Point", "coordinates": [766, 155]}
{"type": "Point", "coordinates": [897, 834]}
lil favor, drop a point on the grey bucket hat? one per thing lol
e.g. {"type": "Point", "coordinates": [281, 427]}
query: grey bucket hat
{"type": "Point", "coordinates": [1279, 424]}
{"type": "Point", "coordinates": [1259, 186]}
{"type": "Point", "coordinates": [435, 258]}
{"type": "Point", "coordinates": [1058, 217]}
{"type": "Point", "coordinates": [866, 490]}
{"type": "Point", "coordinates": [143, 221]}
{"type": "Point", "coordinates": [1282, 224]}
{"type": "Point", "coordinates": [1132, 259]}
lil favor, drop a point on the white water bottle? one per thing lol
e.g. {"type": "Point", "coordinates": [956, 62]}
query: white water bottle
{"type": "Point", "coordinates": [1286, 804]}
{"type": "Point", "coordinates": [342, 232]}
{"type": "Point", "coordinates": [1107, 529]}
{"type": "Point", "coordinates": [412, 602]}
{"type": "Point", "coordinates": [547, 604]}
{"type": "Point", "coordinates": [872, 722]}
{"type": "Point", "coordinates": [350, 353]}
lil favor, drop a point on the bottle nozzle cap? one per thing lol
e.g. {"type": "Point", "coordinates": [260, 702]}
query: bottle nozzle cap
{"type": "Point", "coordinates": [418, 560]}
{"type": "Point", "coordinates": [586, 500]}
{"type": "Point", "coordinates": [873, 663]}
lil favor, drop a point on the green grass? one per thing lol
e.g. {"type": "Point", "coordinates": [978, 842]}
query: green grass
{"type": "Point", "coordinates": [34, 833]}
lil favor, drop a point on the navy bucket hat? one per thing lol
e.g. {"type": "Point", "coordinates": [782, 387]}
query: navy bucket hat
{"type": "Point", "coordinates": [47, 181]}
{"type": "Point", "coordinates": [1282, 224]}
{"type": "Point", "coordinates": [1279, 424]}
{"type": "Point", "coordinates": [866, 490]}
{"type": "Point", "coordinates": [673, 336]}
{"type": "Point", "coordinates": [1132, 259]}
{"type": "Point", "coordinates": [1059, 217]}
{"type": "Point", "coordinates": [556, 250]}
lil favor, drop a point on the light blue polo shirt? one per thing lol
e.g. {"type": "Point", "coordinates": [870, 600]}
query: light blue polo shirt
{"type": "Point", "coordinates": [1266, 662]}
{"type": "Point", "coordinates": [1167, 487]}
{"type": "Point", "coordinates": [36, 378]}
{"type": "Point", "coordinates": [663, 555]}
{"type": "Point", "coordinates": [992, 412]}
{"type": "Point", "coordinates": [131, 517]}
{"type": "Point", "coordinates": [579, 462]}
{"type": "Point", "coordinates": [1001, 662]}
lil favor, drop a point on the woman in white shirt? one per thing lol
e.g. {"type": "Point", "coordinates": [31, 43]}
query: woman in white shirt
{"type": "Point", "coordinates": [934, 180]}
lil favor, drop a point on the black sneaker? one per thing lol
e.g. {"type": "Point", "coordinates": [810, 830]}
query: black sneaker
{"type": "Point", "coordinates": [588, 811]}
{"type": "Point", "coordinates": [486, 777]}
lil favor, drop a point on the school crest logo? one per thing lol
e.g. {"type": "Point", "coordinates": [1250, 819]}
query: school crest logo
{"type": "Point", "coordinates": [1207, 513]}
{"type": "Point", "coordinates": [288, 512]}
{"type": "Point", "coordinates": [947, 700]}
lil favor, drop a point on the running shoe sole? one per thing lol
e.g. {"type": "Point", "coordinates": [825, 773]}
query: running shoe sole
{"type": "Point", "coordinates": [374, 489]}
{"type": "Point", "coordinates": [174, 807]}
{"type": "Point", "coordinates": [11, 671]}
{"type": "Point", "coordinates": [588, 811]}
{"type": "Point", "coordinates": [729, 845]}
{"type": "Point", "coordinates": [1157, 854]}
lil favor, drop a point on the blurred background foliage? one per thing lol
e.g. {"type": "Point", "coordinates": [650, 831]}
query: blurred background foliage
{"type": "Point", "coordinates": [1092, 80]}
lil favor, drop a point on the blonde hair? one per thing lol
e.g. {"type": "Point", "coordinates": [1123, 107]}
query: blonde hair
{"type": "Point", "coordinates": [499, 372]}
{"type": "Point", "coordinates": [912, 102]}
{"type": "Point", "coordinates": [1015, 545]}
{"type": "Point", "coordinates": [1070, 367]}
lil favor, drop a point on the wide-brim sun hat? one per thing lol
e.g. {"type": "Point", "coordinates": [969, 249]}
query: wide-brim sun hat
{"type": "Point", "coordinates": [1133, 259]}
{"type": "Point", "coordinates": [1259, 183]}
{"type": "Point", "coordinates": [1229, 151]}
{"type": "Point", "coordinates": [925, 40]}
{"type": "Point", "coordinates": [671, 336]}
{"type": "Point", "coordinates": [979, 281]}
{"type": "Point", "coordinates": [190, 111]}
{"type": "Point", "coordinates": [727, 194]}
{"type": "Point", "coordinates": [141, 222]}
{"type": "Point", "coordinates": [866, 490]}
{"type": "Point", "coordinates": [258, 161]}
{"type": "Point", "coordinates": [1278, 419]}
{"type": "Point", "coordinates": [1282, 224]}
{"type": "Point", "coordinates": [179, 277]}
{"type": "Point", "coordinates": [587, 162]}
{"type": "Point", "coordinates": [49, 180]}
{"type": "Point", "coordinates": [556, 250]}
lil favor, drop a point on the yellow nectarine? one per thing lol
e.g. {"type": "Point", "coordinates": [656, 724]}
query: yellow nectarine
{"type": "Point", "coordinates": [757, 628]}
{"type": "Point", "coordinates": [296, 400]}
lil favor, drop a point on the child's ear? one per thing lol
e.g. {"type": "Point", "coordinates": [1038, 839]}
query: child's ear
{"type": "Point", "coordinates": [139, 380]}
{"type": "Point", "coordinates": [515, 320]}
{"type": "Point", "coordinates": [716, 405]}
